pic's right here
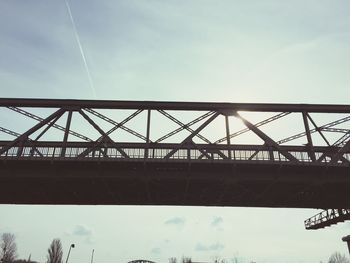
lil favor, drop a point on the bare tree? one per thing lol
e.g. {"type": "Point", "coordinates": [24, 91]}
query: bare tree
{"type": "Point", "coordinates": [217, 259]}
{"type": "Point", "coordinates": [172, 260]}
{"type": "Point", "coordinates": [8, 248]}
{"type": "Point", "coordinates": [55, 252]}
{"type": "Point", "coordinates": [336, 257]}
{"type": "Point", "coordinates": [186, 260]}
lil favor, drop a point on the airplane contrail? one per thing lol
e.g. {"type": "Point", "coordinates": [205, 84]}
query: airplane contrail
{"type": "Point", "coordinates": [81, 49]}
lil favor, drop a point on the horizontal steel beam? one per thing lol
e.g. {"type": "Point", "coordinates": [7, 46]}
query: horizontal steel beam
{"type": "Point", "coordinates": [226, 108]}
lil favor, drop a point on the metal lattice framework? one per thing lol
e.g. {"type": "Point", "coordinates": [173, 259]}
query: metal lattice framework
{"type": "Point", "coordinates": [184, 142]}
{"type": "Point", "coordinates": [327, 218]}
{"type": "Point", "coordinates": [221, 149]}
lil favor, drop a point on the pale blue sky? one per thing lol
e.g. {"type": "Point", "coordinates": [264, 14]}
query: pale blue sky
{"type": "Point", "coordinates": [230, 51]}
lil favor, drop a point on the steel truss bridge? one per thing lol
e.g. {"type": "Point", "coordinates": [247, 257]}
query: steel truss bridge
{"type": "Point", "coordinates": [174, 153]}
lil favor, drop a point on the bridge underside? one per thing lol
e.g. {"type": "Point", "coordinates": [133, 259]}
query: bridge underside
{"type": "Point", "coordinates": [175, 182]}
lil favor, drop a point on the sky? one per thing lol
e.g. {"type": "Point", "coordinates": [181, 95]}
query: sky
{"type": "Point", "coordinates": [216, 51]}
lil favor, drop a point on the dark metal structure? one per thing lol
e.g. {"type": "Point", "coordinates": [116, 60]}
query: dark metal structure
{"type": "Point", "coordinates": [327, 218]}
{"type": "Point", "coordinates": [174, 153]}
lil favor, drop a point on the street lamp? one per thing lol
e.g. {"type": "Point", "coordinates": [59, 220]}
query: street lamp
{"type": "Point", "coordinates": [71, 246]}
{"type": "Point", "coordinates": [92, 256]}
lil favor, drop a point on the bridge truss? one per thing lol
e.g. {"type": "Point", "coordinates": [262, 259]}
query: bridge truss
{"type": "Point", "coordinates": [327, 218]}
{"type": "Point", "coordinates": [175, 153]}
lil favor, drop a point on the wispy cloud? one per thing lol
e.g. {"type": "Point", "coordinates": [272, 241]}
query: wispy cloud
{"type": "Point", "coordinates": [179, 221]}
{"type": "Point", "coordinates": [81, 230]}
{"type": "Point", "coordinates": [217, 220]}
{"type": "Point", "coordinates": [213, 247]}
{"type": "Point", "coordinates": [156, 250]}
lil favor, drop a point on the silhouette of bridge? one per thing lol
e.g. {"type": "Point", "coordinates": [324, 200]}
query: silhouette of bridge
{"type": "Point", "coordinates": [174, 153]}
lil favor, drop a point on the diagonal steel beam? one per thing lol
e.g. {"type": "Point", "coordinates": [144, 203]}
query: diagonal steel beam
{"type": "Point", "coordinates": [7, 131]}
{"type": "Point", "coordinates": [56, 126]}
{"type": "Point", "coordinates": [119, 124]}
{"type": "Point", "coordinates": [340, 130]}
{"type": "Point", "coordinates": [340, 153]}
{"type": "Point", "coordinates": [190, 137]}
{"type": "Point", "coordinates": [318, 129]}
{"type": "Point", "coordinates": [16, 134]}
{"type": "Point", "coordinates": [342, 140]}
{"type": "Point", "coordinates": [99, 141]}
{"type": "Point", "coordinates": [50, 124]}
{"type": "Point", "coordinates": [339, 143]}
{"type": "Point", "coordinates": [323, 127]}
{"type": "Point", "coordinates": [266, 138]}
{"type": "Point", "coordinates": [254, 154]}
{"type": "Point", "coordinates": [258, 124]}
{"type": "Point", "coordinates": [36, 127]}
{"type": "Point", "coordinates": [105, 136]}
{"type": "Point", "coordinates": [204, 153]}
{"type": "Point", "coordinates": [184, 126]}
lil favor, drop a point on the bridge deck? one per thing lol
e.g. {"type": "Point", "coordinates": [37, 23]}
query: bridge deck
{"type": "Point", "coordinates": [175, 182]}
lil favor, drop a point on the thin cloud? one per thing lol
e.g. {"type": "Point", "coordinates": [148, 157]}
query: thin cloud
{"type": "Point", "coordinates": [83, 232]}
{"type": "Point", "coordinates": [213, 247]}
{"type": "Point", "coordinates": [156, 250]}
{"type": "Point", "coordinates": [179, 221]}
{"type": "Point", "coordinates": [217, 221]}
{"type": "Point", "coordinates": [80, 230]}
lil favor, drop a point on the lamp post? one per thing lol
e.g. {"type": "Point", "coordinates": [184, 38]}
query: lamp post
{"type": "Point", "coordinates": [71, 246]}
{"type": "Point", "coordinates": [92, 256]}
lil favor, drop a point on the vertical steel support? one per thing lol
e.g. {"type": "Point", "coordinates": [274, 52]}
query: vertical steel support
{"type": "Point", "coordinates": [310, 145]}
{"type": "Point", "coordinates": [148, 133]}
{"type": "Point", "coordinates": [188, 152]}
{"type": "Point", "coordinates": [228, 139]}
{"type": "Point", "coordinates": [20, 147]}
{"type": "Point", "coordinates": [272, 158]}
{"type": "Point", "coordinates": [66, 133]}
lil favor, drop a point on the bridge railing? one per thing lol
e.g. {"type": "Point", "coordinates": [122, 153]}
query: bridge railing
{"type": "Point", "coordinates": [199, 152]}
